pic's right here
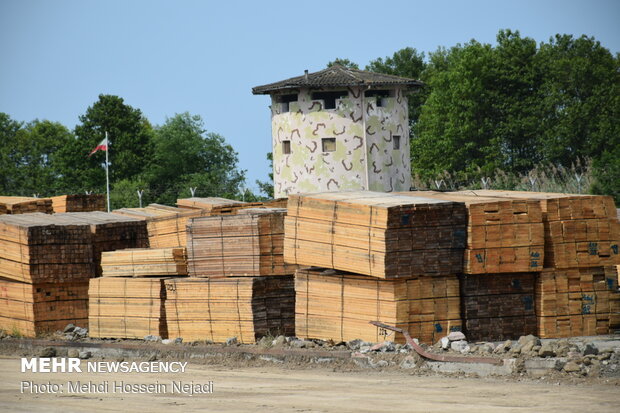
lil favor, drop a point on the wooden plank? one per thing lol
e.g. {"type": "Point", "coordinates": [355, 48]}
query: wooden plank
{"type": "Point", "coordinates": [338, 306]}
{"type": "Point", "coordinates": [35, 309]}
{"type": "Point", "coordinates": [382, 235]}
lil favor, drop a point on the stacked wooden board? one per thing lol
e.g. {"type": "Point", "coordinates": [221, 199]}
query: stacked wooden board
{"type": "Point", "coordinates": [248, 244]}
{"type": "Point", "coordinates": [33, 309]}
{"type": "Point", "coordinates": [377, 234]}
{"type": "Point", "coordinates": [78, 203]}
{"type": "Point", "coordinates": [580, 230]}
{"type": "Point", "coordinates": [219, 308]}
{"type": "Point", "coordinates": [37, 248]}
{"type": "Point", "coordinates": [498, 306]}
{"type": "Point", "coordinates": [144, 262]}
{"type": "Point", "coordinates": [24, 205]}
{"type": "Point", "coordinates": [44, 268]}
{"type": "Point", "coordinates": [110, 232]}
{"type": "Point", "coordinates": [214, 205]}
{"type": "Point", "coordinates": [503, 235]}
{"type": "Point", "coordinates": [127, 307]}
{"type": "Point", "coordinates": [338, 306]}
{"type": "Point", "coordinates": [577, 302]}
{"type": "Point", "coordinates": [166, 225]}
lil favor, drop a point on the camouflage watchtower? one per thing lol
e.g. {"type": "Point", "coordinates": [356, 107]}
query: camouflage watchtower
{"type": "Point", "coordinates": [340, 129]}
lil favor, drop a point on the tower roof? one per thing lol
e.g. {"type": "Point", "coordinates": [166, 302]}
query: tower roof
{"type": "Point", "coordinates": [337, 76]}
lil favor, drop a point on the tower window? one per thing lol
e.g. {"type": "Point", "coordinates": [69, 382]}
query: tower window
{"type": "Point", "coordinates": [396, 140]}
{"type": "Point", "coordinates": [329, 98]}
{"type": "Point", "coordinates": [284, 100]}
{"type": "Point", "coordinates": [379, 94]}
{"type": "Point", "coordinates": [329, 144]}
{"type": "Point", "coordinates": [286, 147]}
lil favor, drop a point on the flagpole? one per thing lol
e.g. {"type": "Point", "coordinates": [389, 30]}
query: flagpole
{"type": "Point", "coordinates": [107, 175]}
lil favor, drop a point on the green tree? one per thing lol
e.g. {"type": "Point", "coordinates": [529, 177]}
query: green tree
{"type": "Point", "coordinates": [129, 135]}
{"type": "Point", "coordinates": [187, 156]}
{"type": "Point", "coordinates": [343, 62]}
{"type": "Point", "coordinates": [9, 129]}
{"type": "Point", "coordinates": [40, 170]}
{"type": "Point", "coordinates": [407, 62]}
{"type": "Point", "coordinates": [266, 187]}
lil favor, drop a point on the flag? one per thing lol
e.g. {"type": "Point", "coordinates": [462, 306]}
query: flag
{"type": "Point", "coordinates": [103, 146]}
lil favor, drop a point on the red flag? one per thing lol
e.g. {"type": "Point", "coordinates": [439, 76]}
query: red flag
{"type": "Point", "coordinates": [103, 146]}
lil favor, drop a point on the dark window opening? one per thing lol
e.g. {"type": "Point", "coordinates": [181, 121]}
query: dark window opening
{"type": "Point", "coordinates": [379, 94]}
{"type": "Point", "coordinates": [329, 144]}
{"type": "Point", "coordinates": [396, 140]}
{"type": "Point", "coordinates": [330, 97]}
{"type": "Point", "coordinates": [284, 100]}
{"type": "Point", "coordinates": [286, 147]}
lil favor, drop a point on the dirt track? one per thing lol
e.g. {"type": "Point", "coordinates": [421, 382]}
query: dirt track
{"type": "Point", "coordinates": [273, 389]}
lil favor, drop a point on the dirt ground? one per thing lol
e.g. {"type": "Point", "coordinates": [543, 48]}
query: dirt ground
{"type": "Point", "coordinates": [273, 389]}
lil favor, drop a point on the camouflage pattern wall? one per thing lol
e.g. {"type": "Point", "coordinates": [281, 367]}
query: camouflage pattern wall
{"type": "Point", "coordinates": [308, 169]}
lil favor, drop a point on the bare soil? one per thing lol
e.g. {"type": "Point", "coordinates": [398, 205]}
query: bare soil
{"type": "Point", "coordinates": [275, 389]}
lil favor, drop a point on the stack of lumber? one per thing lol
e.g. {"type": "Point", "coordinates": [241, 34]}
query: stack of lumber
{"type": "Point", "coordinates": [219, 308]}
{"type": "Point", "coordinates": [127, 307]}
{"type": "Point", "coordinates": [144, 262]}
{"type": "Point", "coordinates": [24, 205]}
{"type": "Point", "coordinates": [498, 306]}
{"type": "Point", "coordinates": [110, 232]}
{"type": "Point", "coordinates": [378, 234]}
{"type": "Point", "coordinates": [580, 230]}
{"type": "Point", "coordinates": [503, 235]}
{"type": "Point", "coordinates": [248, 244]}
{"type": "Point", "coordinates": [36, 248]}
{"type": "Point", "coordinates": [166, 225]}
{"type": "Point", "coordinates": [338, 306]}
{"type": "Point", "coordinates": [577, 302]}
{"type": "Point", "coordinates": [45, 265]}
{"type": "Point", "coordinates": [34, 309]}
{"type": "Point", "coordinates": [78, 203]}
{"type": "Point", "coordinates": [214, 205]}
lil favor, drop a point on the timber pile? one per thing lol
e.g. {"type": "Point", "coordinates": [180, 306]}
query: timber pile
{"type": "Point", "coordinates": [144, 262]}
{"type": "Point", "coordinates": [36, 248]}
{"type": "Point", "coordinates": [24, 205]}
{"type": "Point", "coordinates": [498, 306]}
{"type": "Point", "coordinates": [219, 308]}
{"type": "Point", "coordinates": [78, 203]}
{"type": "Point", "coordinates": [127, 307]}
{"type": "Point", "coordinates": [338, 306]}
{"type": "Point", "coordinates": [378, 234]}
{"type": "Point", "coordinates": [34, 309]}
{"type": "Point", "coordinates": [110, 232]}
{"type": "Point", "coordinates": [248, 244]}
{"type": "Point", "coordinates": [577, 302]}
{"type": "Point", "coordinates": [581, 231]}
{"type": "Point", "coordinates": [503, 235]}
{"type": "Point", "coordinates": [214, 205]}
{"type": "Point", "coordinates": [166, 225]}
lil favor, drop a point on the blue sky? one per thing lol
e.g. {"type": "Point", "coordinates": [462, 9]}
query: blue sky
{"type": "Point", "coordinates": [204, 57]}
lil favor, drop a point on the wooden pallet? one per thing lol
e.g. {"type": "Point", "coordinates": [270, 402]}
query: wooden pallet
{"type": "Point", "coordinates": [127, 307]}
{"type": "Point", "coordinates": [577, 302]}
{"type": "Point", "coordinates": [219, 308]}
{"type": "Point", "coordinates": [338, 306]}
{"type": "Point", "coordinates": [498, 306]}
{"type": "Point", "coordinates": [24, 205]}
{"type": "Point", "coordinates": [248, 244]}
{"type": "Point", "coordinates": [144, 262]}
{"type": "Point", "coordinates": [31, 310]}
{"type": "Point", "coordinates": [378, 234]}
{"type": "Point", "coordinates": [580, 231]}
{"type": "Point", "coordinates": [503, 235]}
{"type": "Point", "coordinates": [78, 203]}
